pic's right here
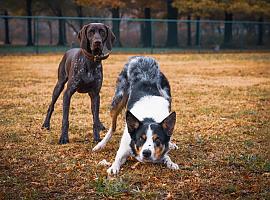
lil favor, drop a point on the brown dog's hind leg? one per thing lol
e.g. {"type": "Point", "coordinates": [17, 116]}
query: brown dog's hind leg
{"type": "Point", "coordinates": [97, 125]}
{"type": "Point", "coordinates": [62, 79]}
{"type": "Point", "coordinates": [56, 92]}
{"type": "Point", "coordinates": [66, 105]}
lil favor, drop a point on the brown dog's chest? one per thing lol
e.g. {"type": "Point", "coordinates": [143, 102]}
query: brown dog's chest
{"type": "Point", "coordinates": [87, 76]}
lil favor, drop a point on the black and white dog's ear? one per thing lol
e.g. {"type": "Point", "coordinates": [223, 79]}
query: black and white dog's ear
{"type": "Point", "coordinates": [82, 36]}
{"type": "Point", "coordinates": [132, 122]}
{"type": "Point", "coordinates": [110, 38]}
{"type": "Point", "coordinates": [168, 124]}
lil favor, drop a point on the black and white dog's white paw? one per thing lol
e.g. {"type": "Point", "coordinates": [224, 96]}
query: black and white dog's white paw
{"type": "Point", "coordinates": [114, 169]}
{"type": "Point", "coordinates": [173, 146]}
{"type": "Point", "coordinates": [169, 163]}
{"type": "Point", "coordinates": [172, 165]}
{"type": "Point", "coordinates": [104, 141]}
{"type": "Point", "coordinates": [99, 146]}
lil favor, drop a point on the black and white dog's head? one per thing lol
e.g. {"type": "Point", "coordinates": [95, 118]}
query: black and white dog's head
{"type": "Point", "coordinates": [149, 139]}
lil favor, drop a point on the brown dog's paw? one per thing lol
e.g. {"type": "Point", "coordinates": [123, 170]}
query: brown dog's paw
{"type": "Point", "coordinates": [97, 140]}
{"type": "Point", "coordinates": [46, 126]}
{"type": "Point", "coordinates": [101, 127]}
{"type": "Point", "coordinates": [63, 140]}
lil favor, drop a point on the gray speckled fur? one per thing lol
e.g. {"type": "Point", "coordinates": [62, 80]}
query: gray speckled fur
{"type": "Point", "coordinates": [138, 69]}
{"type": "Point", "coordinates": [141, 68]}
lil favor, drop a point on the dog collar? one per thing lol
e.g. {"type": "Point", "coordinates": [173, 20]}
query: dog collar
{"type": "Point", "coordinates": [95, 58]}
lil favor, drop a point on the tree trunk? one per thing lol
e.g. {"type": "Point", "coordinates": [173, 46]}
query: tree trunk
{"type": "Point", "coordinates": [61, 30]}
{"type": "Point", "coordinates": [189, 41]}
{"type": "Point", "coordinates": [198, 31]}
{"type": "Point", "coordinates": [172, 13]}
{"type": "Point", "coordinates": [260, 31]}
{"type": "Point", "coordinates": [116, 26]}
{"type": "Point", "coordinates": [80, 14]}
{"type": "Point", "coordinates": [147, 29]}
{"type": "Point", "coordinates": [228, 29]}
{"type": "Point", "coordinates": [29, 22]}
{"type": "Point", "coordinates": [7, 40]}
{"type": "Point", "coordinates": [50, 32]}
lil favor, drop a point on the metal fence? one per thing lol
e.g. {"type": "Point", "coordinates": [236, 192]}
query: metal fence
{"type": "Point", "coordinates": [50, 34]}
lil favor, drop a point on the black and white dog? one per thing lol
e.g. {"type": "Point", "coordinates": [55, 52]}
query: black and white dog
{"type": "Point", "coordinates": [145, 91]}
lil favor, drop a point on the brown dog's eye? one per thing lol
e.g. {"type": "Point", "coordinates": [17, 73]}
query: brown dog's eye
{"type": "Point", "coordinates": [102, 32]}
{"type": "Point", "coordinates": [92, 31]}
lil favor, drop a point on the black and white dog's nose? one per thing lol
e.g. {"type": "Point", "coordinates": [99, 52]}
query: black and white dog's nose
{"type": "Point", "coordinates": [146, 153]}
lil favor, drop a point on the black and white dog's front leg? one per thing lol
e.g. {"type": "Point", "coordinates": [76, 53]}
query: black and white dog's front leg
{"type": "Point", "coordinates": [121, 156]}
{"type": "Point", "coordinates": [97, 125]}
{"type": "Point", "coordinates": [169, 163]}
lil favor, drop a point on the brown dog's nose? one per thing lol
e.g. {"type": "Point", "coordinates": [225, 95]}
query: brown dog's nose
{"type": "Point", "coordinates": [97, 43]}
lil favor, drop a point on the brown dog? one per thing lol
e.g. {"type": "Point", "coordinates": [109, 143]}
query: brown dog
{"type": "Point", "coordinates": [81, 68]}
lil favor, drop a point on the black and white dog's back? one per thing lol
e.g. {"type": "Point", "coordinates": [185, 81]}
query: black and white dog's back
{"type": "Point", "coordinates": [145, 91]}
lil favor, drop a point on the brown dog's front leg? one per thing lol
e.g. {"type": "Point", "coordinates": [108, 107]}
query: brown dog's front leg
{"type": "Point", "coordinates": [97, 125]}
{"type": "Point", "coordinates": [65, 123]}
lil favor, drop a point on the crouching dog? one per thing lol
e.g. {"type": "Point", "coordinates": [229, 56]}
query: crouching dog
{"type": "Point", "coordinates": [81, 69]}
{"type": "Point", "coordinates": [144, 90]}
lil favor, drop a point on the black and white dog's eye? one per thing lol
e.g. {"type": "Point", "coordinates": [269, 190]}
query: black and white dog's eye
{"type": "Point", "coordinates": [142, 138]}
{"type": "Point", "coordinates": [157, 141]}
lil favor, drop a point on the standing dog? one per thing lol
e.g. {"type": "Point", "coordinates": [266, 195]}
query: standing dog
{"type": "Point", "coordinates": [81, 68]}
{"type": "Point", "coordinates": [149, 124]}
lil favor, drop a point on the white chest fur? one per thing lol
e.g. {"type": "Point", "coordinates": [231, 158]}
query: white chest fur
{"type": "Point", "coordinates": [154, 107]}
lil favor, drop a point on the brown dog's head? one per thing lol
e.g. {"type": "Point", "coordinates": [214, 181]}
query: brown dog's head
{"type": "Point", "coordinates": [94, 36]}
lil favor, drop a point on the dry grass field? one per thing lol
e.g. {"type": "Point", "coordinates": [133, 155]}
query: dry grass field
{"type": "Point", "coordinates": [223, 132]}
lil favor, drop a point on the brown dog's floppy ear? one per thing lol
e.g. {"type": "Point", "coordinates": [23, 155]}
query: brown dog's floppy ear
{"type": "Point", "coordinates": [110, 38]}
{"type": "Point", "coordinates": [82, 36]}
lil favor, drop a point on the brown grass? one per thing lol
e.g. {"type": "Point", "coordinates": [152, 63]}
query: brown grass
{"type": "Point", "coordinates": [223, 130]}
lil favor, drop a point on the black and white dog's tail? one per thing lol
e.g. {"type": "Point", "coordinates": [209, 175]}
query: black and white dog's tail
{"type": "Point", "coordinates": [146, 69]}
{"type": "Point", "coordinates": [143, 69]}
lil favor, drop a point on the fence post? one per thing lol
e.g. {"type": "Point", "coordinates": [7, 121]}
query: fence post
{"type": "Point", "coordinates": [152, 36]}
{"type": "Point", "coordinates": [198, 33]}
{"type": "Point", "coordinates": [36, 35]}
{"type": "Point", "coordinates": [242, 36]}
{"type": "Point", "coordinates": [260, 31]}
{"type": "Point", "coordinates": [6, 22]}
{"type": "Point", "coordinates": [189, 42]}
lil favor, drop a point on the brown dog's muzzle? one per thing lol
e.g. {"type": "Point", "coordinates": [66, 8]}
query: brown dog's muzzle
{"type": "Point", "coordinates": [97, 45]}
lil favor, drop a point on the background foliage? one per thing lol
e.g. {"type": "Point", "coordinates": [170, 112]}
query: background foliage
{"type": "Point", "coordinates": [228, 10]}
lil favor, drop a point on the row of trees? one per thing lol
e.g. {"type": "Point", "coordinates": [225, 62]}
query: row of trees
{"type": "Point", "coordinates": [227, 10]}
{"type": "Point", "coordinates": [256, 10]}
